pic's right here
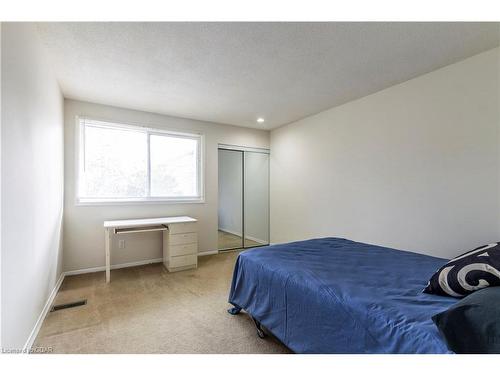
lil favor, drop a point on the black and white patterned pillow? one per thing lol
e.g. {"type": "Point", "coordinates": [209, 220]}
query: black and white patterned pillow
{"type": "Point", "coordinates": [474, 270]}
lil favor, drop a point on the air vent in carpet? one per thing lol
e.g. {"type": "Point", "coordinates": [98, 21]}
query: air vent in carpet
{"type": "Point", "coordinates": [68, 305]}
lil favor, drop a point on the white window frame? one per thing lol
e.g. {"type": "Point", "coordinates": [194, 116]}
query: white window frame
{"type": "Point", "coordinates": [79, 164]}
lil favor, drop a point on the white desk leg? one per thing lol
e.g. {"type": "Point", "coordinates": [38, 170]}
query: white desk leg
{"type": "Point", "coordinates": [107, 240]}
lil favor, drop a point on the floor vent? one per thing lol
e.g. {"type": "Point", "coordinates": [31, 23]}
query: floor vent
{"type": "Point", "coordinates": [68, 305]}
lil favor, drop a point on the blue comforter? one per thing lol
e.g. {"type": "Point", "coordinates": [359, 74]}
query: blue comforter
{"type": "Point", "coordinates": [333, 295]}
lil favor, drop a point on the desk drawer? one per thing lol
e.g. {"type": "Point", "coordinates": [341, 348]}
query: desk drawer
{"type": "Point", "coordinates": [183, 238]}
{"type": "Point", "coordinates": [176, 250]}
{"type": "Point", "coordinates": [183, 261]}
{"type": "Point", "coordinates": [182, 228]}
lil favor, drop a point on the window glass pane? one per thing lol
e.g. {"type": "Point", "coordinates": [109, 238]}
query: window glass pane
{"type": "Point", "coordinates": [115, 163]}
{"type": "Point", "coordinates": [174, 166]}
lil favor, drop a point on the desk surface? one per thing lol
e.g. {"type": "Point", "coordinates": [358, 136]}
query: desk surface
{"type": "Point", "coordinates": [144, 222]}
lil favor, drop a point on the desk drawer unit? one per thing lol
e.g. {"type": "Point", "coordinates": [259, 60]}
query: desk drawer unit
{"type": "Point", "coordinates": [183, 261]}
{"type": "Point", "coordinates": [176, 250]}
{"type": "Point", "coordinates": [183, 238]}
{"type": "Point", "coordinates": [180, 246]}
{"type": "Point", "coordinates": [183, 228]}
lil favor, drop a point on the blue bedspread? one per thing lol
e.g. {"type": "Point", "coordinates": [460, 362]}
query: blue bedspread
{"type": "Point", "coordinates": [333, 295]}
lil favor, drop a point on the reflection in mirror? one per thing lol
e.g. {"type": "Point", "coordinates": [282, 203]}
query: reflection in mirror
{"type": "Point", "coordinates": [256, 199]}
{"type": "Point", "coordinates": [230, 207]}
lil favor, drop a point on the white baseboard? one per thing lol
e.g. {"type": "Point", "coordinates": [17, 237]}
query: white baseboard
{"type": "Point", "coordinates": [113, 266]}
{"type": "Point", "coordinates": [255, 239]}
{"type": "Point", "coordinates": [43, 314]}
{"type": "Point", "coordinates": [129, 264]}
{"type": "Point", "coordinates": [230, 232]}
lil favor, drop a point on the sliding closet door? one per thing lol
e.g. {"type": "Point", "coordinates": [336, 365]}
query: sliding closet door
{"type": "Point", "coordinates": [230, 208]}
{"type": "Point", "coordinates": [256, 199]}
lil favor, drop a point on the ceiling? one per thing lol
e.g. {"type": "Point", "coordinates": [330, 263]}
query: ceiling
{"type": "Point", "coordinates": [233, 73]}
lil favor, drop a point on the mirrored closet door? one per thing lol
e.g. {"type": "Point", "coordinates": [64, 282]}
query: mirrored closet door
{"type": "Point", "coordinates": [230, 210]}
{"type": "Point", "coordinates": [256, 199]}
{"type": "Point", "coordinates": [243, 197]}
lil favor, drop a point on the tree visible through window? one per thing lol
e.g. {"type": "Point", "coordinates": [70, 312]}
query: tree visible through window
{"type": "Point", "coordinates": [125, 163]}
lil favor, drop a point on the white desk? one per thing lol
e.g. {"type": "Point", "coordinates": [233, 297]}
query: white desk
{"type": "Point", "coordinates": [180, 239]}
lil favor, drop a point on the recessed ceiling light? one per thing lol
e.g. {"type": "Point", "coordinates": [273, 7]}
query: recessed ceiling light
{"type": "Point", "coordinates": [260, 120]}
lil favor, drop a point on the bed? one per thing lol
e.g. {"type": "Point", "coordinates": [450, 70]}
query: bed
{"type": "Point", "coordinates": [333, 295]}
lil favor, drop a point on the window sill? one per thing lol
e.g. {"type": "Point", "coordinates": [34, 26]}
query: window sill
{"type": "Point", "coordinates": [134, 202]}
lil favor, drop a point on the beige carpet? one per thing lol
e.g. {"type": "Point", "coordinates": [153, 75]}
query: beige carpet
{"type": "Point", "coordinates": [148, 310]}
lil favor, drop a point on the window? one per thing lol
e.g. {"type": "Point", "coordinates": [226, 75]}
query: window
{"type": "Point", "coordinates": [122, 163]}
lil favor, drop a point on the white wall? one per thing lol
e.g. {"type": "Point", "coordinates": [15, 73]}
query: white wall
{"type": "Point", "coordinates": [230, 191]}
{"type": "Point", "coordinates": [83, 232]}
{"type": "Point", "coordinates": [32, 182]}
{"type": "Point", "coordinates": [413, 167]}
